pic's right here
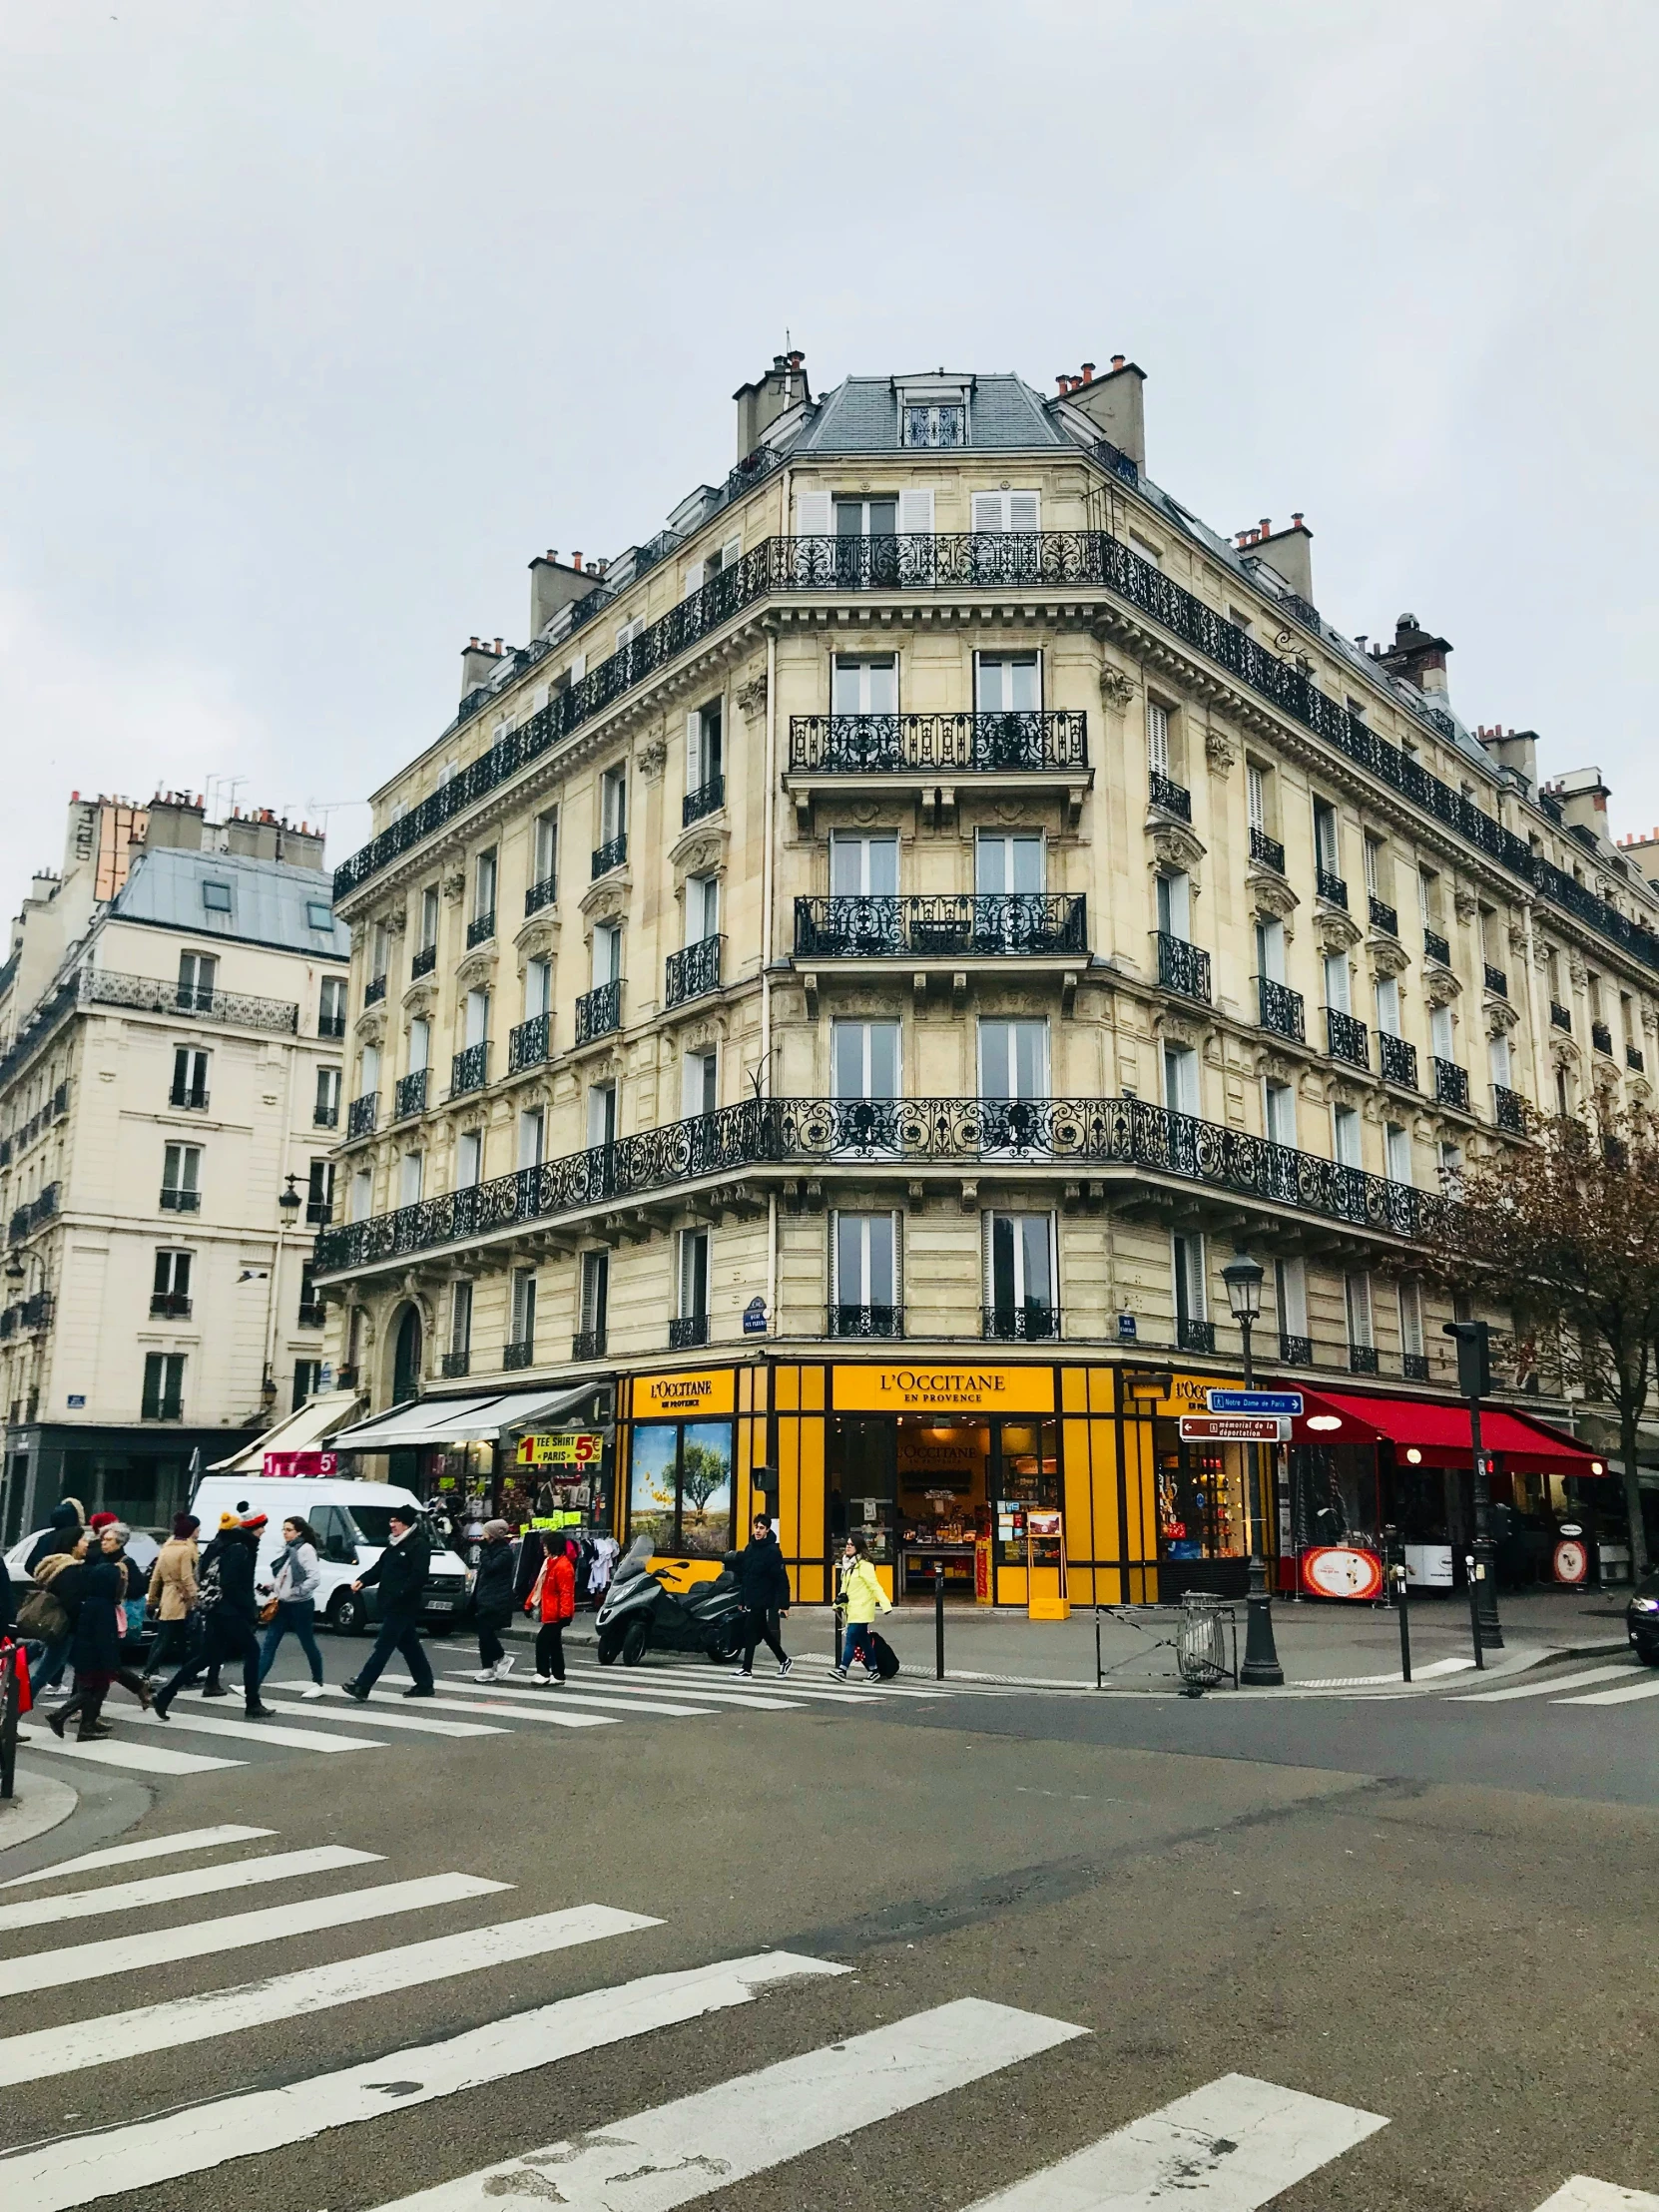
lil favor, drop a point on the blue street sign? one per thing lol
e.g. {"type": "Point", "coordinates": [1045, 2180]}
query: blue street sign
{"type": "Point", "coordinates": [754, 1318]}
{"type": "Point", "coordinates": [1284, 1403]}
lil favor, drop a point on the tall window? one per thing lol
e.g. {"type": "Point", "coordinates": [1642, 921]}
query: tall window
{"type": "Point", "coordinates": [483, 885]}
{"type": "Point", "coordinates": [411, 1174]}
{"type": "Point", "coordinates": [607, 953]}
{"type": "Point", "coordinates": [1410, 1315]}
{"type": "Point", "coordinates": [189, 1079]}
{"type": "Point", "coordinates": [1396, 1149]}
{"type": "Point", "coordinates": [538, 989]}
{"type": "Point", "coordinates": [523, 1321]}
{"type": "Point", "coordinates": [377, 949]}
{"type": "Point", "coordinates": [420, 1044]}
{"type": "Point", "coordinates": [429, 918]}
{"type": "Point", "coordinates": [460, 1320]}
{"type": "Point", "coordinates": [1344, 1133]}
{"type": "Point", "coordinates": [1440, 1038]}
{"type": "Point", "coordinates": [867, 685]}
{"type": "Point", "coordinates": [1289, 1281]}
{"type": "Point", "coordinates": [532, 1125]}
{"type": "Point", "coordinates": [1007, 510]}
{"type": "Point", "coordinates": [362, 1194]}
{"type": "Point", "coordinates": [1192, 1296]}
{"type": "Point", "coordinates": [1502, 1068]}
{"type": "Point", "coordinates": [1327, 844]}
{"type": "Point", "coordinates": [181, 1179]}
{"type": "Point", "coordinates": [702, 1084]}
{"type": "Point", "coordinates": [544, 856]}
{"type": "Point", "coordinates": [1013, 1059]}
{"type": "Point", "coordinates": [469, 1159]}
{"type": "Point", "coordinates": [601, 1113]}
{"type": "Point", "coordinates": [1175, 907]}
{"type": "Point", "coordinates": [866, 518]}
{"type": "Point", "coordinates": [1279, 1112]}
{"type": "Point", "coordinates": [1256, 794]}
{"type": "Point", "coordinates": [197, 973]}
{"type": "Point", "coordinates": [307, 1380]}
{"type": "Point", "coordinates": [863, 1268]}
{"type": "Point", "coordinates": [170, 1288]}
{"type": "Point", "coordinates": [163, 1386]}
{"type": "Point", "coordinates": [705, 748]}
{"type": "Point", "coordinates": [694, 1275]}
{"type": "Point", "coordinates": [1156, 738]}
{"type": "Point", "coordinates": [319, 1193]}
{"type": "Point", "coordinates": [595, 1298]}
{"type": "Point", "coordinates": [476, 1017]}
{"type": "Point", "coordinates": [863, 1059]}
{"type": "Point", "coordinates": [1373, 866]}
{"type": "Point", "coordinates": [325, 1112]}
{"type": "Point", "coordinates": [613, 804]}
{"type": "Point", "coordinates": [1020, 1300]}
{"type": "Point", "coordinates": [1007, 683]}
{"type": "Point", "coordinates": [1181, 1079]}
{"type": "Point", "coordinates": [1357, 1291]}
{"type": "Point", "coordinates": [1337, 990]}
{"type": "Point", "coordinates": [1006, 861]}
{"type": "Point", "coordinates": [1269, 948]}
{"type": "Point", "coordinates": [331, 1007]}
{"type": "Point", "coordinates": [1387, 1005]}
{"type": "Point", "coordinates": [863, 865]}
{"type": "Point", "coordinates": [702, 907]}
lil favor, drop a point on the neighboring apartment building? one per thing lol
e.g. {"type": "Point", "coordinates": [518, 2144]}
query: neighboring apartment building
{"type": "Point", "coordinates": [170, 1020]}
{"type": "Point", "coordinates": [932, 903]}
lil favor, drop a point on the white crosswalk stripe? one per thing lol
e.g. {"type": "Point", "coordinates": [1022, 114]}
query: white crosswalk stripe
{"type": "Point", "coordinates": [159, 1846]}
{"type": "Point", "coordinates": [421, 1723]}
{"type": "Point", "coordinates": [144, 1758]}
{"type": "Point", "coordinates": [1548, 1686]}
{"type": "Point", "coordinates": [194, 1882]}
{"type": "Point", "coordinates": [622, 1697]}
{"type": "Point", "coordinates": [1582, 2194]}
{"type": "Point", "coordinates": [253, 1732]}
{"type": "Point", "coordinates": [378, 1700]}
{"type": "Point", "coordinates": [1636, 1694]}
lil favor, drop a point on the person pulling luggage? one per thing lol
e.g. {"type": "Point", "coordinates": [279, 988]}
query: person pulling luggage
{"type": "Point", "coordinates": [862, 1598]}
{"type": "Point", "coordinates": [763, 1586]}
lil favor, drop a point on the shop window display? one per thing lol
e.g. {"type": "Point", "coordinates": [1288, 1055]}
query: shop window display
{"type": "Point", "coordinates": [922, 1492]}
{"type": "Point", "coordinates": [1201, 1515]}
{"type": "Point", "coordinates": [680, 1487]}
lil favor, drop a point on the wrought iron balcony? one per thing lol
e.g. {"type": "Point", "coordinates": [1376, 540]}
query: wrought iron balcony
{"type": "Point", "coordinates": [1496, 981]}
{"type": "Point", "coordinates": [1509, 1110]}
{"type": "Point", "coordinates": [60, 1101]}
{"type": "Point", "coordinates": [707, 798]}
{"type": "Point", "coordinates": [187, 1101]}
{"type": "Point", "coordinates": [1560, 1016]}
{"type": "Point", "coordinates": [329, 1025]}
{"type": "Point", "coordinates": [692, 971]}
{"type": "Point", "coordinates": [480, 928]}
{"type": "Point", "coordinates": [153, 994]}
{"type": "Point", "coordinates": [1167, 797]}
{"type": "Point", "coordinates": [470, 1069]}
{"type": "Point", "coordinates": [1383, 915]}
{"type": "Point", "coordinates": [945, 924]}
{"type": "Point", "coordinates": [1413, 1366]}
{"type": "Point", "coordinates": [1195, 1336]}
{"type": "Point", "coordinates": [610, 855]}
{"type": "Point", "coordinates": [687, 1331]}
{"type": "Point", "coordinates": [1296, 1351]}
{"type": "Point", "coordinates": [1451, 1085]}
{"type": "Point", "coordinates": [374, 990]}
{"type": "Point", "coordinates": [598, 1013]}
{"type": "Point", "coordinates": [865, 1321]}
{"type": "Point", "coordinates": [1633, 1058]}
{"type": "Point", "coordinates": [1346, 1038]}
{"type": "Point", "coordinates": [1398, 1060]}
{"type": "Point", "coordinates": [324, 1116]}
{"type": "Point", "coordinates": [1601, 1036]}
{"type": "Point", "coordinates": [313, 1314]}
{"type": "Point", "coordinates": [361, 1115]}
{"type": "Point", "coordinates": [1183, 967]}
{"type": "Point", "coordinates": [37, 1311]}
{"type": "Point", "coordinates": [1331, 888]}
{"type": "Point", "coordinates": [521, 1353]}
{"type": "Point", "coordinates": [174, 1201]}
{"type": "Point", "coordinates": [588, 1344]}
{"type": "Point", "coordinates": [168, 1305]}
{"type": "Point", "coordinates": [863, 744]}
{"type": "Point", "coordinates": [1020, 1325]}
{"type": "Point", "coordinates": [456, 1362]}
{"type": "Point", "coordinates": [1267, 851]}
{"type": "Point", "coordinates": [1361, 1359]}
{"type": "Point", "coordinates": [409, 1094]}
{"type": "Point", "coordinates": [423, 962]}
{"type": "Point", "coordinates": [1280, 1008]}
{"type": "Point", "coordinates": [544, 893]}
{"type": "Point", "coordinates": [1436, 947]}
{"type": "Point", "coordinates": [530, 1044]}
{"type": "Point", "coordinates": [1065, 1137]}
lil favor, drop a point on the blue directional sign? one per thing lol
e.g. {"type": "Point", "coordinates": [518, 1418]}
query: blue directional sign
{"type": "Point", "coordinates": [1286, 1403]}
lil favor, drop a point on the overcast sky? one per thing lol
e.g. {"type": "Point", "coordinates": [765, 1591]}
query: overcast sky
{"type": "Point", "coordinates": [322, 319]}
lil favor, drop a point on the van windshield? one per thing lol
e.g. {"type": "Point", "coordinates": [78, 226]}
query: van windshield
{"type": "Point", "coordinates": [373, 1523]}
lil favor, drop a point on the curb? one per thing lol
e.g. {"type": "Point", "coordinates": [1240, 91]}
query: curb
{"type": "Point", "coordinates": [42, 1803]}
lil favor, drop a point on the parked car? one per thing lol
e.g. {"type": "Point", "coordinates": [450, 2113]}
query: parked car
{"type": "Point", "coordinates": [1641, 1619]}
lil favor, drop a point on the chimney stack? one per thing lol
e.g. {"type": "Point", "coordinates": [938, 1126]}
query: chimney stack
{"type": "Point", "coordinates": [1419, 659]}
{"type": "Point", "coordinates": [773, 395]}
{"type": "Point", "coordinates": [1113, 404]}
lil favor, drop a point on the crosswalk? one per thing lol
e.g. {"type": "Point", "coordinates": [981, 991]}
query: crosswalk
{"type": "Point", "coordinates": [1231, 2144]}
{"type": "Point", "coordinates": [1617, 1682]}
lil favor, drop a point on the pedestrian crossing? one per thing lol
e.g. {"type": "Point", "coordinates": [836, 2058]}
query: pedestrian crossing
{"type": "Point", "coordinates": [1591, 1686]}
{"type": "Point", "coordinates": [1233, 2144]}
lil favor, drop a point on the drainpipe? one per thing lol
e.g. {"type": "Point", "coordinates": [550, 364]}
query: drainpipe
{"type": "Point", "coordinates": [766, 894]}
{"type": "Point", "coordinates": [277, 1260]}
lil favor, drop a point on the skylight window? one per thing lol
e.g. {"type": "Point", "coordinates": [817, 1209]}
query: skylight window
{"type": "Point", "coordinates": [318, 915]}
{"type": "Point", "coordinates": [216, 898]}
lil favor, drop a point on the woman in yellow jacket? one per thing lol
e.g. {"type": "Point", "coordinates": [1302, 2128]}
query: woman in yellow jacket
{"type": "Point", "coordinates": [862, 1598]}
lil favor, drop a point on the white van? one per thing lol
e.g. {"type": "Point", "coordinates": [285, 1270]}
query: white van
{"type": "Point", "coordinates": [352, 1523]}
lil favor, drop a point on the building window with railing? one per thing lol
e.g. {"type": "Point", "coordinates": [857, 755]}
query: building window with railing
{"type": "Point", "coordinates": [705, 764]}
{"type": "Point", "coordinates": [1396, 1152]}
{"type": "Point", "coordinates": [326, 1108]}
{"type": "Point", "coordinates": [181, 1179]}
{"type": "Point", "coordinates": [544, 862]}
{"type": "Point", "coordinates": [1290, 1283]}
{"type": "Point", "coordinates": [1183, 966]}
{"type": "Point", "coordinates": [1414, 1356]}
{"type": "Point", "coordinates": [198, 979]}
{"type": "Point", "coordinates": [691, 1322]}
{"type": "Point", "coordinates": [469, 1159]}
{"type": "Point", "coordinates": [481, 928]}
{"type": "Point", "coordinates": [427, 956]}
{"type": "Point", "coordinates": [1194, 1329]}
{"type": "Point", "coordinates": [934, 423]}
{"type": "Point", "coordinates": [313, 1313]}
{"type": "Point", "coordinates": [362, 1194]}
{"type": "Point", "coordinates": [331, 1010]}
{"type": "Point", "coordinates": [532, 1136]}
{"type": "Point", "coordinates": [1278, 1007]}
{"type": "Point", "coordinates": [411, 1177]}
{"type": "Point", "coordinates": [319, 1193]}
{"type": "Point", "coordinates": [1344, 1136]}
{"type": "Point", "coordinates": [612, 850]}
{"type": "Point", "coordinates": [1021, 1278]}
{"type": "Point", "coordinates": [1277, 1112]}
{"type": "Point", "coordinates": [1362, 1339]}
{"type": "Point", "coordinates": [1327, 856]}
{"type": "Point", "coordinates": [164, 1387]}
{"type": "Point", "coordinates": [520, 1349]}
{"type": "Point", "coordinates": [1166, 780]}
{"type": "Point", "coordinates": [308, 1381]}
{"type": "Point", "coordinates": [170, 1297]}
{"type": "Point", "coordinates": [863, 1276]}
{"type": "Point", "coordinates": [592, 1306]}
{"type": "Point", "coordinates": [1001, 512]}
{"type": "Point", "coordinates": [458, 1359]}
{"type": "Point", "coordinates": [189, 1080]}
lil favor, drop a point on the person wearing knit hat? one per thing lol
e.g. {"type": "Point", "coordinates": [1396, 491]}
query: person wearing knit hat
{"type": "Point", "coordinates": [227, 1521]}
{"type": "Point", "coordinates": [173, 1592]}
{"type": "Point", "coordinates": [101, 1520]}
{"type": "Point", "coordinates": [255, 1521]}
{"type": "Point", "coordinates": [492, 1601]}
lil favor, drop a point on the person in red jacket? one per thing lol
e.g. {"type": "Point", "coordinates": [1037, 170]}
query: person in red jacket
{"type": "Point", "coordinates": [553, 1602]}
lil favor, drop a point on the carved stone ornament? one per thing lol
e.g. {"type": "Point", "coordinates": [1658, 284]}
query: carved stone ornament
{"type": "Point", "coordinates": [1578, 974]}
{"type": "Point", "coordinates": [1271, 894]}
{"type": "Point", "coordinates": [1372, 1107]}
{"type": "Point", "coordinates": [419, 999]}
{"type": "Point", "coordinates": [371, 1027]}
{"type": "Point", "coordinates": [1117, 687]}
{"type": "Point", "coordinates": [537, 940]}
{"type": "Point", "coordinates": [476, 968]}
{"type": "Point", "coordinates": [1220, 750]}
{"type": "Point", "coordinates": [1517, 938]}
{"type": "Point", "coordinates": [702, 858]}
{"type": "Point", "coordinates": [606, 906]}
{"type": "Point", "coordinates": [1175, 1028]}
{"type": "Point", "coordinates": [397, 922]}
{"type": "Point", "coordinates": [704, 1036]}
{"type": "Point", "coordinates": [454, 883]}
{"type": "Point", "coordinates": [650, 755]}
{"type": "Point", "coordinates": [1174, 848]}
{"type": "Point", "coordinates": [1501, 1017]}
{"type": "Point", "coordinates": [752, 696]}
{"type": "Point", "coordinates": [1273, 1067]}
{"type": "Point", "coordinates": [1335, 932]}
{"type": "Point", "coordinates": [866, 816]}
{"type": "Point", "coordinates": [1441, 987]}
{"type": "Point", "coordinates": [1563, 1053]}
{"type": "Point", "coordinates": [1387, 956]}
{"type": "Point", "coordinates": [1464, 901]}
{"type": "Point", "coordinates": [1337, 1092]}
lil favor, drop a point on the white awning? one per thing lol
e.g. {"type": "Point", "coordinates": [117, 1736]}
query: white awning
{"type": "Point", "coordinates": [301, 1431]}
{"type": "Point", "coordinates": [460, 1420]}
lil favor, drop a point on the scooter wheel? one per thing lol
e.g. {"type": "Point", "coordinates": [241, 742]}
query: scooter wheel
{"type": "Point", "coordinates": [635, 1644]}
{"type": "Point", "coordinates": [724, 1651]}
{"type": "Point", "coordinates": [608, 1648]}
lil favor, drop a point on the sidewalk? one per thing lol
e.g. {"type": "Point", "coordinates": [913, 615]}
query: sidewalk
{"type": "Point", "coordinates": [1321, 1646]}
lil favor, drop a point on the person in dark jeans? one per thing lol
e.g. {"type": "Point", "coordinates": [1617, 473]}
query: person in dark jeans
{"type": "Point", "coordinates": [763, 1586]}
{"type": "Point", "coordinates": [492, 1601]}
{"type": "Point", "coordinates": [229, 1631]}
{"type": "Point", "coordinates": [401, 1572]}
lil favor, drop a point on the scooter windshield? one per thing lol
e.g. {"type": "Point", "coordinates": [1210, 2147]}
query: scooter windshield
{"type": "Point", "coordinates": [637, 1560]}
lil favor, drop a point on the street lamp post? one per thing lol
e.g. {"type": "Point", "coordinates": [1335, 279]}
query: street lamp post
{"type": "Point", "coordinates": [1244, 1277]}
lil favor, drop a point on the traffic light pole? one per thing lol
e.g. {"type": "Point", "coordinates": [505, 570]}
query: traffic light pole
{"type": "Point", "coordinates": [1474, 1378]}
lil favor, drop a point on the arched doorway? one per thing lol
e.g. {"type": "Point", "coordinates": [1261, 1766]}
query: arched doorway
{"type": "Point", "coordinates": [405, 1366]}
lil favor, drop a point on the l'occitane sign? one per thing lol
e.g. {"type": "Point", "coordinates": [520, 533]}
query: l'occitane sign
{"type": "Point", "coordinates": [657, 1397]}
{"type": "Point", "coordinates": [944, 1387]}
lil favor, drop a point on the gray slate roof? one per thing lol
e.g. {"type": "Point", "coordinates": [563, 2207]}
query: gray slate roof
{"type": "Point", "coordinates": [861, 416]}
{"type": "Point", "coordinates": [268, 901]}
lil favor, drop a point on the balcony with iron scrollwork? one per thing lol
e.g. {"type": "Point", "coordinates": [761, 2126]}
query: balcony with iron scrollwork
{"type": "Point", "coordinates": [1265, 851]}
{"type": "Point", "coordinates": [598, 1013]}
{"type": "Point", "coordinates": [1601, 1037]}
{"type": "Point", "coordinates": [1345, 1038]}
{"type": "Point", "coordinates": [1167, 797]}
{"type": "Point", "coordinates": [1195, 1336]}
{"type": "Point", "coordinates": [456, 1364]}
{"type": "Point", "coordinates": [687, 1331]}
{"type": "Point", "coordinates": [1633, 1059]}
{"type": "Point", "coordinates": [1026, 1323]}
{"type": "Point", "coordinates": [153, 994]}
{"type": "Point", "coordinates": [692, 971]}
{"type": "Point", "coordinates": [1510, 1111]}
{"type": "Point", "coordinates": [1383, 915]}
{"type": "Point", "coordinates": [1025, 741]}
{"type": "Point", "coordinates": [409, 1095]}
{"type": "Point", "coordinates": [1496, 980]}
{"type": "Point", "coordinates": [1296, 1351]}
{"type": "Point", "coordinates": [520, 1353]}
{"type": "Point", "coordinates": [1331, 888]}
{"type": "Point", "coordinates": [941, 926]}
{"type": "Point", "coordinates": [530, 1044]}
{"type": "Point", "coordinates": [1361, 1359]}
{"type": "Point", "coordinates": [480, 928]}
{"type": "Point", "coordinates": [423, 962]}
{"type": "Point", "coordinates": [1413, 1366]}
{"type": "Point", "coordinates": [470, 1069]}
{"type": "Point", "coordinates": [588, 1344]}
{"type": "Point", "coordinates": [374, 990]}
{"type": "Point", "coordinates": [544, 893]}
{"type": "Point", "coordinates": [1183, 967]}
{"type": "Point", "coordinates": [1436, 947]}
{"type": "Point", "coordinates": [1560, 1016]}
{"type": "Point", "coordinates": [361, 1115]}
{"type": "Point", "coordinates": [862, 1322]}
{"type": "Point", "coordinates": [313, 1314]}
{"type": "Point", "coordinates": [1397, 1060]}
{"type": "Point", "coordinates": [707, 798]}
{"type": "Point", "coordinates": [1280, 1010]}
{"type": "Point", "coordinates": [612, 853]}
{"type": "Point", "coordinates": [1451, 1085]}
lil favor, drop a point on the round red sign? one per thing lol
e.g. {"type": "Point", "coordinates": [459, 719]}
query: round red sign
{"type": "Point", "coordinates": [1337, 1570]}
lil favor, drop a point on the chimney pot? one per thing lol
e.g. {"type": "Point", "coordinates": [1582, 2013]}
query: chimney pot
{"type": "Point", "coordinates": [1061, 386]}
{"type": "Point", "coordinates": [1118, 359]}
{"type": "Point", "coordinates": [472, 644]}
{"type": "Point", "coordinates": [552, 553]}
{"type": "Point", "coordinates": [576, 560]}
{"type": "Point", "coordinates": [1296, 522]}
{"type": "Point", "coordinates": [1266, 527]}
{"type": "Point", "coordinates": [1088, 372]}
{"type": "Point", "coordinates": [498, 645]}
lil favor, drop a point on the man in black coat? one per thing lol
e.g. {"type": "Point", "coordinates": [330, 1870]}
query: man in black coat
{"type": "Point", "coordinates": [63, 1535]}
{"type": "Point", "coordinates": [400, 1574]}
{"type": "Point", "coordinates": [763, 1586]}
{"type": "Point", "coordinates": [231, 1618]}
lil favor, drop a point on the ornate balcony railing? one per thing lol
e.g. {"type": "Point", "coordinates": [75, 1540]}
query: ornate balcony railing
{"type": "Point", "coordinates": [324, 1114]}
{"type": "Point", "coordinates": [1601, 1036]}
{"type": "Point", "coordinates": [544, 893]}
{"type": "Point", "coordinates": [1383, 915]}
{"type": "Point", "coordinates": [1361, 1359]}
{"type": "Point", "coordinates": [692, 971]}
{"type": "Point", "coordinates": [470, 1069]}
{"type": "Point", "coordinates": [945, 924]}
{"type": "Point", "coordinates": [174, 1199]}
{"type": "Point", "coordinates": [330, 1025]}
{"type": "Point", "coordinates": [1296, 1351]}
{"type": "Point", "coordinates": [374, 990]}
{"type": "Point", "coordinates": [1560, 1016]}
{"type": "Point", "coordinates": [588, 1344]}
{"type": "Point", "coordinates": [423, 962]}
{"type": "Point", "coordinates": [1167, 797]}
{"type": "Point", "coordinates": [1346, 1038]}
{"type": "Point", "coordinates": [598, 1013]}
{"type": "Point", "coordinates": [610, 855]}
{"type": "Point", "coordinates": [707, 798]}
{"type": "Point", "coordinates": [1331, 888]}
{"type": "Point", "coordinates": [1413, 1366]}
{"type": "Point", "coordinates": [1633, 1058]}
{"type": "Point", "coordinates": [480, 930]}
{"type": "Point", "coordinates": [1397, 1060]}
{"type": "Point", "coordinates": [687, 1331]}
{"type": "Point", "coordinates": [1183, 967]}
{"type": "Point", "coordinates": [1509, 1110]}
{"type": "Point", "coordinates": [865, 1321]}
{"type": "Point", "coordinates": [37, 1311]}
{"type": "Point", "coordinates": [862, 744]}
{"type": "Point", "coordinates": [1496, 980]}
{"type": "Point", "coordinates": [1195, 1336]}
{"type": "Point", "coordinates": [313, 1314]}
{"type": "Point", "coordinates": [456, 1362]}
{"type": "Point", "coordinates": [530, 1044]}
{"type": "Point", "coordinates": [1068, 1136]}
{"type": "Point", "coordinates": [1452, 1084]}
{"type": "Point", "coordinates": [1436, 947]}
{"type": "Point", "coordinates": [521, 1353]}
{"type": "Point", "coordinates": [1267, 851]}
{"type": "Point", "coordinates": [1019, 1325]}
{"type": "Point", "coordinates": [409, 1094]}
{"type": "Point", "coordinates": [153, 994]}
{"type": "Point", "coordinates": [361, 1115]}
{"type": "Point", "coordinates": [1280, 1008]}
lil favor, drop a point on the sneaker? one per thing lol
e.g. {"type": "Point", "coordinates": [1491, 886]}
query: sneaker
{"type": "Point", "coordinates": [839, 1673]}
{"type": "Point", "coordinates": [355, 1689]}
{"type": "Point", "coordinates": [54, 1722]}
{"type": "Point", "coordinates": [416, 1690]}
{"type": "Point", "coordinates": [503, 1668]}
{"type": "Point", "coordinates": [786, 1666]}
{"type": "Point", "coordinates": [746, 1674]}
{"type": "Point", "coordinates": [542, 1681]}
{"type": "Point", "coordinates": [313, 1690]}
{"type": "Point", "coordinates": [94, 1735]}
{"type": "Point", "coordinates": [485, 1674]}
{"type": "Point", "coordinates": [260, 1712]}
{"type": "Point", "coordinates": [215, 1689]}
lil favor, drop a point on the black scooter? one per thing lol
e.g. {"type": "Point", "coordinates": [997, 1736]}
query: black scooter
{"type": "Point", "coordinates": [641, 1613]}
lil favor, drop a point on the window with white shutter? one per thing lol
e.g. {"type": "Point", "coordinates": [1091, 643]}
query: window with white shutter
{"type": "Point", "coordinates": [1156, 738]}
{"type": "Point", "coordinates": [915, 514]}
{"type": "Point", "coordinates": [1007, 510]}
{"type": "Point", "coordinates": [812, 514]}
{"type": "Point", "coordinates": [629, 631]}
{"type": "Point", "coordinates": [1361, 1333]}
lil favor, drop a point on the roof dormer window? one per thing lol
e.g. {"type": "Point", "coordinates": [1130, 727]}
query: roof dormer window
{"type": "Point", "coordinates": [933, 410]}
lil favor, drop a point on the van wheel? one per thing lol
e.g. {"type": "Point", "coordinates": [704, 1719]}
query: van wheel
{"type": "Point", "coordinates": [347, 1615]}
{"type": "Point", "coordinates": [635, 1643]}
{"type": "Point", "coordinates": [609, 1646]}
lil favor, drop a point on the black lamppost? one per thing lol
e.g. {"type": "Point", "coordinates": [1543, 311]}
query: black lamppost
{"type": "Point", "coordinates": [1244, 1277]}
{"type": "Point", "coordinates": [1474, 1379]}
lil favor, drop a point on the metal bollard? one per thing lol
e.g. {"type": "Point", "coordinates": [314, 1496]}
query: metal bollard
{"type": "Point", "coordinates": [1473, 1574]}
{"type": "Point", "coordinates": [1404, 1624]}
{"type": "Point", "coordinates": [938, 1620]}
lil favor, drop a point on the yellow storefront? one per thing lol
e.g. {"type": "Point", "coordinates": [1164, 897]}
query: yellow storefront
{"type": "Point", "coordinates": [972, 1467]}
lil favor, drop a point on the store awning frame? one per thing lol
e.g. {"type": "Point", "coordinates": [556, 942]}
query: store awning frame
{"type": "Point", "coordinates": [304, 1430]}
{"type": "Point", "coordinates": [1436, 1433]}
{"type": "Point", "coordinates": [422, 1422]}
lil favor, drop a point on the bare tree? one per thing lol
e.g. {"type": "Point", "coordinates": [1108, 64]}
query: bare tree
{"type": "Point", "coordinates": [1565, 1229]}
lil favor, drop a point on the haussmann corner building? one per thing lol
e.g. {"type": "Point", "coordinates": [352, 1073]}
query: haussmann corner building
{"type": "Point", "coordinates": [825, 1010]}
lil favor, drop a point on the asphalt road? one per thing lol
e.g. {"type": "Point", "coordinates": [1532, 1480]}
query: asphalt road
{"type": "Point", "coordinates": [1435, 1914]}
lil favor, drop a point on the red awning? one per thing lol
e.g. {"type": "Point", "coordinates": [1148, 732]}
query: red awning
{"type": "Point", "coordinates": [1441, 1432]}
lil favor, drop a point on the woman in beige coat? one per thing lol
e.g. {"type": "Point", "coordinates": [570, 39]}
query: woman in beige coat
{"type": "Point", "coordinates": [172, 1591]}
